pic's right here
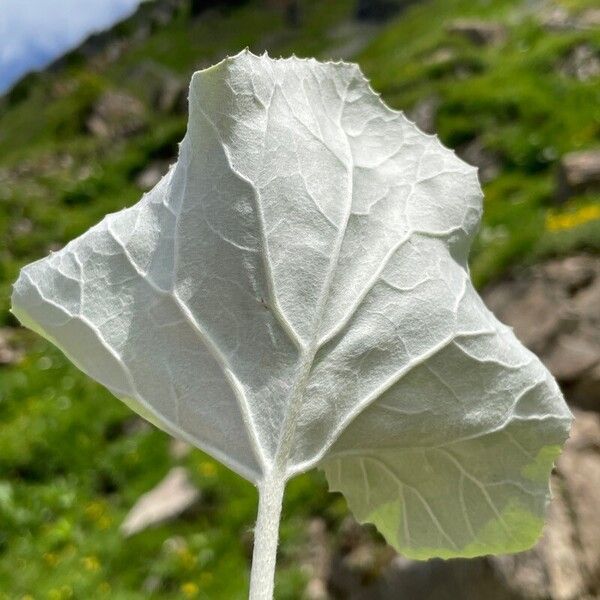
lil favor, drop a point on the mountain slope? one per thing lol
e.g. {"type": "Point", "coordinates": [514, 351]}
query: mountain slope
{"type": "Point", "coordinates": [514, 85]}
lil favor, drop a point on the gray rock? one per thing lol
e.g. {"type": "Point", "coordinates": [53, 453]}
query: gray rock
{"type": "Point", "coordinates": [151, 175]}
{"type": "Point", "coordinates": [424, 113]}
{"type": "Point", "coordinates": [178, 449]}
{"type": "Point", "coordinates": [579, 473]}
{"type": "Point", "coordinates": [161, 87]}
{"type": "Point", "coordinates": [487, 162]}
{"type": "Point", "coordinates": [10, 351]}
{"type": "Point", "coordinates": [582, 63]}
{"type": "Point", "coordinates": [586, 391]}
{"type": "Point", "coordinates": [481, 33]}
{"type": "Point", "coordinates": [172, 497]}
{"type": "Point", "coordinates": [441, 57]}
{"type": "Point", "coordinates": [115, 115]}
{"type": "Point", "coordinates": [554, 309]}
{"type": "Point", "coordinates": [572, 355]}
{"type": "Point", "coordinates": [558, 18]}
{"type": "Point", "coordinates": [172, 96]}
{"type": "Point", "coordinates": [578, 172]}
{"type": "Point", "coordinates": [589, 19]}
{"type": "Point", "coordinates": [317, 561]}
{"type": "Point", "coordinates": [528, 305]}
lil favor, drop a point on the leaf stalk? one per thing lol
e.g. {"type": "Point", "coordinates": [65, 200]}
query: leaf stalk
{"type": "Point", "coordinates": [266, 537]}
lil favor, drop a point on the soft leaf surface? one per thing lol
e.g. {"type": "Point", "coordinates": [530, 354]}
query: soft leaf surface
{"type": "Point", "coordinates": [295, 293]}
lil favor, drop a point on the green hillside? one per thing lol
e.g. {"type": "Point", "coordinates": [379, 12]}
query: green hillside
{"type": "Point", "coordinates": [73, 459]}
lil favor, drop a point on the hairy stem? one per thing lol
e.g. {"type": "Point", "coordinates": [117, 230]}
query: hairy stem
{"type": "Point", "coordinates": [266, 536]}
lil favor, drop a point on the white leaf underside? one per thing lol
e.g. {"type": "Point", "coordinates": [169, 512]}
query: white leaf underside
{"type": "Point", "coordinates": [294, 292]}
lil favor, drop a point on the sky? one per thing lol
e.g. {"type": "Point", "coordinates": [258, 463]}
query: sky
{"type": "Point", "coordinates": [35, 32]}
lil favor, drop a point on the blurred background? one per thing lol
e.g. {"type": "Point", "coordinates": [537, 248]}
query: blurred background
{"type": "Point", "coordinates": [94, 501]}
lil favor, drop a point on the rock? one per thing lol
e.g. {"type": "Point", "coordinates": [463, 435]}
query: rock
{"type": "Point", "coordinates": [359, 564]}
{"type": "Point", "coordinates": [556, 18]}
{"type": "Point", "coordinates": [110, 54]}
{"type": "Point", "coordinates": [530, 307]}
{"type": "Point", "coordinates": [22, 227]}
{"type": "Point", "coordinates": [318, 559]}
{"type": "Point", "coordinates": [151, 584]}
{"type": "Point", "coordinates": [445, 62]}
{"type": "Point", "coordinates": [578, 172]}
{"type": "Point", "coordinates": [172, 497]}
{"type": "Point", "coordinates": [151, 175]}
{"type": "Point", "coordinates": [586, 391]}
{"type": "Point", "coordinates": [424, 113]}
{"type": "Point", "coordinates": [571, 356]}
{"type": "Point", "coordinates": [116, 114]}
{"type": "Point", "coordinates": [582, 63]}
{"type": "Point", "coordinates": [441, 56]}
{"type": "Point", "coordinates": [579, 471]}
{"type": "Point", "coordinates": [172, 96]}
{"type": "Point", "coordinates": [573, 273]}
{"type": "Point", "coordinates": [316, 589]}
{"type": "Point", "coordinates": [10, 351]}
{"type": "Point", "coordinates": [178, 449]}
{"type": "Point", "coordinates": [589, 19]}
{"type": "Point", "coordinates": [487, 162]}
{"type": "Point", "coordinates": [554, 309]}
{"type": "Point", "coordinates": [162, 88]}
{"type": "Point", "coordinates": [481, 33]}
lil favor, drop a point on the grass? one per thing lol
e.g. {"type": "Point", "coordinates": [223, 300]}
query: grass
{"type": "Point", "coordinates": [72, 458]}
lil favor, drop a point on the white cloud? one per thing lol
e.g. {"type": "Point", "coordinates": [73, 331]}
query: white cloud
{"type": "Point", "coordinates": [35, 32]}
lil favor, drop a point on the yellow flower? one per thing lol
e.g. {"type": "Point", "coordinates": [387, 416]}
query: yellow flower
{"type": "Point", "coordinates": [208, 468]}
{"type": "Point", "coordinates": [94, 510]}
{"type": "Point", "coordinates": [570, 220]}
{"type": "Point", "coordinates": [91, 563]}
{"type": "Point", "coordinates": [50, 559]}
{"type": "Point", "coordinates": [188, 560]}
{"type": "Point", "coordinates": [104, 587]}
{"type": "Point", "coordinates": [132, 457]}
{"type": "Point", "coordinates": [64, 593]}
{"type": "Point", "coordinates": [104, 522]}
{"type": "Point", "coordinates": [189, 589]}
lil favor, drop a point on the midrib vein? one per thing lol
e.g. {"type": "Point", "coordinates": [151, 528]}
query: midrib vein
{"type": "Point", "coordinates": [308, 354]}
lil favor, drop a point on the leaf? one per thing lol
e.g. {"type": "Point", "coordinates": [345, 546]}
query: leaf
{"type": "Point", "coordinates": [295, 292]}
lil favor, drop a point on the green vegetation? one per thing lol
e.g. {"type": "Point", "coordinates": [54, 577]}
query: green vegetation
{"type": "Point", "coordinates": [73, 459]}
